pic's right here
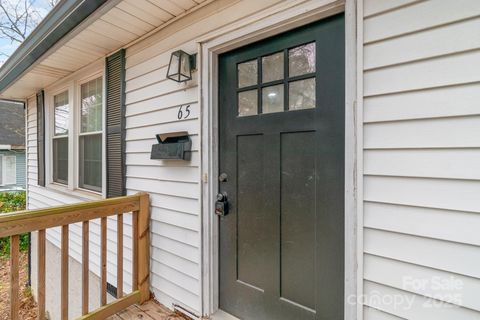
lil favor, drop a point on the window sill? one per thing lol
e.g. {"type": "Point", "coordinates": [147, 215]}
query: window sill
{"type": "Point", "coordinates": [81, 194]}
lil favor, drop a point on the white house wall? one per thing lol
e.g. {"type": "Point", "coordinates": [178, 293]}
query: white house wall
{"type": "Point", "coordinates": [40, 197]}
{"type": "Point", "coordinates": [174, 186]}
{"type": "Point", "coordinates": [421, 157]}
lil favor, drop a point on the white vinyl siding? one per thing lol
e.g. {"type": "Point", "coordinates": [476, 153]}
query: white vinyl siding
{"type": "Point", "coordinates": [421, 157]}
{"type": "Point", "coordinates": [174, 186]}
{"type": "Point", "coordinates": [41, 197]}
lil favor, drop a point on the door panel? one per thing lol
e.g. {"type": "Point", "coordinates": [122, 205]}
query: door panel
{"type": "Point", "coordinates": [252, 247]}
{"type": "Point", "coordinates": [281, 128]}
{"type": "Point", "coordinates": [297, 213]}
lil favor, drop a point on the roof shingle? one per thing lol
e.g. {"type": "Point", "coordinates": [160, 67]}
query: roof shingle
{"type": "Point", "coordinates": [12, 123]}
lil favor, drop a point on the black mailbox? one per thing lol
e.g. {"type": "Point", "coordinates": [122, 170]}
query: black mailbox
{"type": "Point", "coordinates": [172, 146]}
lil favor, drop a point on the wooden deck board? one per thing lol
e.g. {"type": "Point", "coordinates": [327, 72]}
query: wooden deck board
{"type": "Point", "coordinates": [150, 310]}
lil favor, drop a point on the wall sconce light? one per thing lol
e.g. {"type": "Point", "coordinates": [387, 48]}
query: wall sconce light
{"type": "Point", "coordinates": [181, 66]}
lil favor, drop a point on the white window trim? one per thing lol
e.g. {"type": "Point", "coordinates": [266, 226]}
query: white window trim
{"type": "Point", "coordinates": [78, 133]}
{"type": "Point", "coordinates": [73, 85]}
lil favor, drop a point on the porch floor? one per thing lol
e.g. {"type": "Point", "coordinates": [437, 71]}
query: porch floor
{"type": "Point", "coordinates": [148, 311]}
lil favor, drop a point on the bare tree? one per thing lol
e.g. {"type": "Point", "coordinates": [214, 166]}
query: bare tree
{"type": "Point", "coordinates": [19, 17]}
{"type": "Point", "coordinates": [53, 3]}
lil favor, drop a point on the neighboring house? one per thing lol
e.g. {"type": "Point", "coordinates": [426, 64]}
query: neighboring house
{"type": "Point", "coordinates": [12, 146]}
{"type": "Point", "coordinates": [345, 134]}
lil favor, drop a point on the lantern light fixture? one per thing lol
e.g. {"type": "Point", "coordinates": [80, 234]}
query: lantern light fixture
{"type": "Point", "coordinates": [181, 66]}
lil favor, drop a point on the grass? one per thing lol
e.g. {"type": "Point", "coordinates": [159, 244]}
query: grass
{"type": "Point", "coordinates": [10, 202]}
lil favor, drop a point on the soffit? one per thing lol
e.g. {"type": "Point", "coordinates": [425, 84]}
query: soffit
{"type": "Point", "coordinates": [125, 22]}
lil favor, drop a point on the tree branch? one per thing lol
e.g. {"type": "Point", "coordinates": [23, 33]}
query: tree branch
{"type": "Point", "coordinates": [18, 18]}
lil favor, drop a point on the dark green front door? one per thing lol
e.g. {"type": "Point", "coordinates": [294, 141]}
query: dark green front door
{"type": "Point", "coordinates": [281, 125]}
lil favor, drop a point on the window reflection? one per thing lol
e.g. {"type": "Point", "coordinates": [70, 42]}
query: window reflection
{"type": "Point", "coordinates": [60, 103]}
{"type": "Point", "coordinates": [272, 99]}
{"type": "Point", "coordinates": [247, 103]}
{"type": "Point", "coordinates": [301, 60]}
{"type": "Point", "coordinates": [90, 140]}
{"type": "Point", "coordinates": [91, 106]}
{"type": "Point", "coordinates": [247, 74]}
{"type": "Point", "coordinates": [302, 94]}
{"type": "Point", "coordinates": [60, 139]}
{"type": "Point", "coordinates": [272, 67]}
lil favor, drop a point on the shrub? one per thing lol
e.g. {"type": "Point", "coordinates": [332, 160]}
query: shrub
{"type": "Point", "coordinates": [11, 202]}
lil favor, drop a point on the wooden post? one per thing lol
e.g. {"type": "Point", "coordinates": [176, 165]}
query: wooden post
{"type": "Point", "coordinates": [103, 255]}
{"type": "Point", "coordinates": [41, 274]}
{"type": "Point", "coordinates": [134, 250]}
{"type": "Point", "coordinates": [64, 273]}
{"type": "Point", "coordinates": [85, 265]}
{"type": "Point", "coordinates": [16, 223]}
{"type": "Point", "coordinates": [14, 277]}
{"type": "Point", "coordinates": [120, 256]}
{"type": "Point", "coordinates": [144, 248]}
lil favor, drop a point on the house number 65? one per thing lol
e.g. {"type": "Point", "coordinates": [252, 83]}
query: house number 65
{"type": "Point", "coordinates": [181, 111]}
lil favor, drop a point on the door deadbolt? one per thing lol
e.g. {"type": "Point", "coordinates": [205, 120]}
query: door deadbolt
{"type": "Point", "coordinates": [221, 205]}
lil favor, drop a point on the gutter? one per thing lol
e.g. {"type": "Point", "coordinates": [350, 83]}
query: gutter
{"type": "Point", "coordinates": [63, 18]}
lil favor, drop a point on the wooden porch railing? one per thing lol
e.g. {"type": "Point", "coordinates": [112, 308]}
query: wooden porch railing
{"type": "Point", "coordinates": [16, 223]}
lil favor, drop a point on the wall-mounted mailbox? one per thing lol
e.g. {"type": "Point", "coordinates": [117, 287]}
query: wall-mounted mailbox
{"type": "Point", "coordinates": [172, 146]}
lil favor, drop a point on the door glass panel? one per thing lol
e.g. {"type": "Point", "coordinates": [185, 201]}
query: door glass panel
{"type": "Point", "coordinates": [301, 94]}
{"type": "Point", "coordinates": [301, 60]}
{"type": "Point", "coordinates": [247, 103]}
{"type": "Point", "coordinates": [272, 99]}
{"type": "Point", "coordinates": [247, 73]}
{"type": "Point", "coordinates": [272, 67]}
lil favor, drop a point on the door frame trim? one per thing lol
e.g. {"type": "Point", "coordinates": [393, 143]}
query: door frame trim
{"type": "Point", "coordinates": [276, 19]}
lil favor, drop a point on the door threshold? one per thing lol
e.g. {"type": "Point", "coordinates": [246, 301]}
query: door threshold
{"type": "Point", "coordinates": [222, 315]}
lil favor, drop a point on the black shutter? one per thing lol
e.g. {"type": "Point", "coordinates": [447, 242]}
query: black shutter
{"type": "Point", "coordinates": [115, 133]}
{"type": "Point", "coordinates": [41, 137]}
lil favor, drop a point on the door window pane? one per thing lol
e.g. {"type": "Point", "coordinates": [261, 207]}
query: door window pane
{"type": "Point", "coordinates": [60, 104]}
{"type": "Point", "coordinates": [301, 60]}
{"type": "Point", "coordinates": [301, 94]}
{"type": "Point", "coordinates": [272, 67]}
{"type": "Point", "coordinates": [247, 73]}
{"type": "Point", "coordinates": [60, 160]}
{"type": "Point", "coordinates": [272, 99]}
{"type": "Point", "coordinates": [90, 172]}
{"type": "Point", "coordinates": [247, 103]}
{"type": "Point", "coordinates": [91, 106]}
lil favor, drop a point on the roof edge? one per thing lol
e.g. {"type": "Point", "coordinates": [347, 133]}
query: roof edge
{"type": "Point", "coordinates": [63, 18]}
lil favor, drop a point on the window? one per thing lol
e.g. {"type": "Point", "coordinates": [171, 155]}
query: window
{"type": "Point", "coordinates": [282, 81]}
{"type": "Point", "coordinates": [90, 135]}
{"type": "Point", "coordinates": [60, 138]}
{"type": "Point", "coordinates": [76, 135]}
{"type": "Point", "coordinates": [8, 170]}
